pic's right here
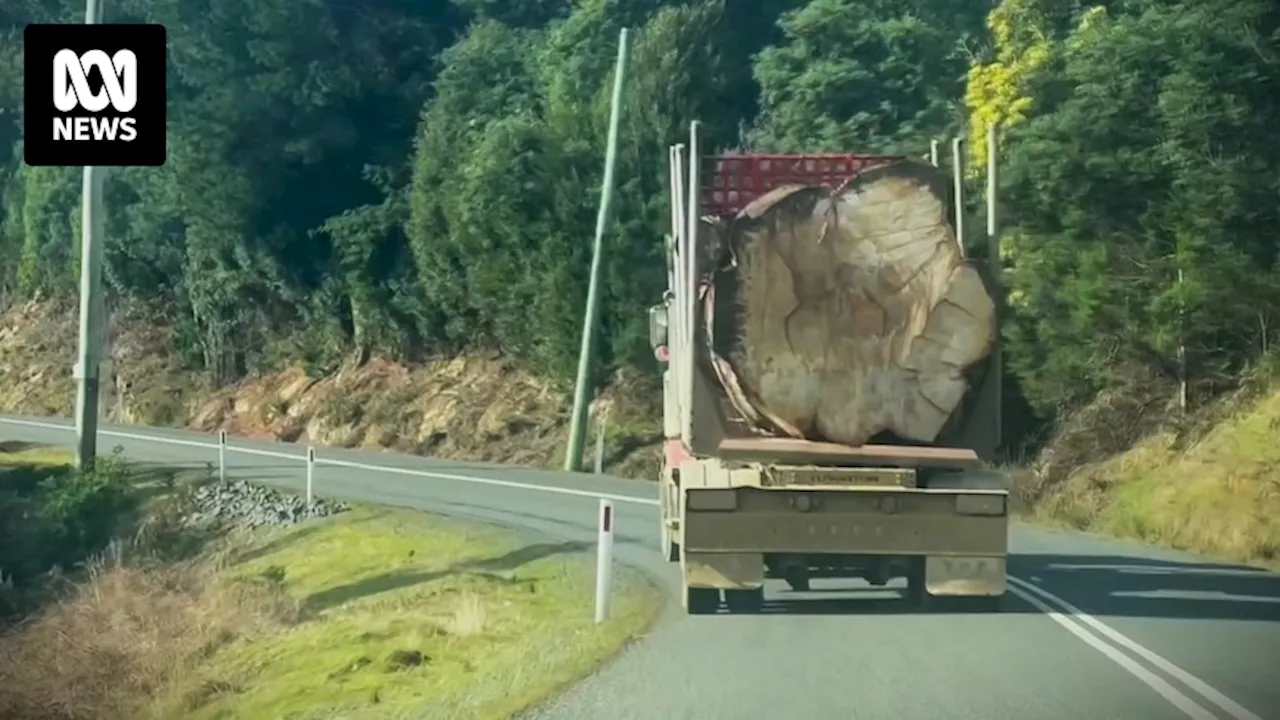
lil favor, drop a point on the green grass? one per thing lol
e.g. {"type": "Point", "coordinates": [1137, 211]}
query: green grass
{"type": "Point", "coordinates": [18, 456]}
{"type": "Point", "coordinates": [499, 624]}
{"type": "Point", "coordinates": [1220, 496]}
{"type": "Point", "coordinates": [374, 613]}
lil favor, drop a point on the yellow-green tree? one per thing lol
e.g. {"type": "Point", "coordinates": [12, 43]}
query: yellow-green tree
{"type": "Point", "coordinates": [1024, 34]}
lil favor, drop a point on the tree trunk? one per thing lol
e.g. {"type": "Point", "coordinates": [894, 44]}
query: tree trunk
{"type": "Point", "coordinates": [848, 314]}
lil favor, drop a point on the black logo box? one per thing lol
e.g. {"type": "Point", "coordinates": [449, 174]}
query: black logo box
{"type": "Point", "coordinates": [149, 45]}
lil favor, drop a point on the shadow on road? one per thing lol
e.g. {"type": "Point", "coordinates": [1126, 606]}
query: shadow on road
{"type": "Point", "coordinates": [1101, 585]}
{"type": "Point", "coordinates": [17, 446]}
{"type": "Point", "coordinates": [1128, 586]}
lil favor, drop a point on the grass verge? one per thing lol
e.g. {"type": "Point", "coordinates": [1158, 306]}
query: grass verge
{"type": "Point", "coordinates": [375, 613]}
{"type": "Point", "coordinates": [1217, 496]}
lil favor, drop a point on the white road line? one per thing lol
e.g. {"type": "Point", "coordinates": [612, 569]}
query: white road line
{"type": "Point", "coordinates": [1194, 710]}
{"type": "Point", "coordinates": [487, 481]}
{"type": "Point", "coordinates": [349, 464]}
{"type": "Point", "coordinates": [1024, 590]}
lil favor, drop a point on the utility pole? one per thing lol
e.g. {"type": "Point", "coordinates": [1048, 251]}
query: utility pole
{"type": "Point", "coordinates": [92, 309]}
{"type": "Point", "coordinates": [933, 153]}
{"type": "Point", "coordinates": [586, 354]}
{"type": "Point", "coordinates": [957, 175]}
{"type": "Point", "coordinates": [997, 270]}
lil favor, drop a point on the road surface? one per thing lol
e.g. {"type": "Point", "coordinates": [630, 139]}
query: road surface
{"type": "Point", "coordinates": [1097, 628]}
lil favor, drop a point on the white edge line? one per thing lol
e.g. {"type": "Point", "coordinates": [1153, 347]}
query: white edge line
{"type": "Point", "coordinates": [1160, 685]}
{"type": "Point", "coordinates": [349, 464]}
{"type": "Point", "coordinates": [1204, 689]}
{"type": "Point", "coordinates": [486, 481]}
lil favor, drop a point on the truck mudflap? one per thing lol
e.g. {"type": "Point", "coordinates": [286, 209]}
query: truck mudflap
{"type": "Point", "coordinates": [965, 575]}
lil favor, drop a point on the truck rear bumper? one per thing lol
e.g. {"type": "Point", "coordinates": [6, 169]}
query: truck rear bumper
{"type": "Point", "coordinates": [943, 575]}
{"type": "Point", "coordinates": [947, 543]}
{"type": "Point", "coordinates": [881, 522]}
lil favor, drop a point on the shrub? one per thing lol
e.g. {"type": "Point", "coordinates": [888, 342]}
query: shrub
{"type": "Point", "coordinates": [59, 516]}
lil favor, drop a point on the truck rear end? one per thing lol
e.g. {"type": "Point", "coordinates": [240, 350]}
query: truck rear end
{"type": "Point", "coordinates": [750, 490]}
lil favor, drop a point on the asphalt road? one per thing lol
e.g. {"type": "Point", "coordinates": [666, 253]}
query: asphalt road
{"type": "Point", "coordinates": [1098, 628]}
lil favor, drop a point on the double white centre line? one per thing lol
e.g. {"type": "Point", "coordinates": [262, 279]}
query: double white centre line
{"type": "Point", "coordinates": [1096, 635]}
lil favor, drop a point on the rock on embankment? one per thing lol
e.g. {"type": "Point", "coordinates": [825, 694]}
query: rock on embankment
{"type": "Point", "coordinates": [244, 503]}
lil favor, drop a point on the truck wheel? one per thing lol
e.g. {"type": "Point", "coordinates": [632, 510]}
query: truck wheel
{"type": "Point", "coordinates": [744, 601]}
{"type": "Point", "coordinates": [798, 580]}
{"type": "Point", "coordinates": [701, 601]}
{"type": "Point", "coordinates": [916, 592]}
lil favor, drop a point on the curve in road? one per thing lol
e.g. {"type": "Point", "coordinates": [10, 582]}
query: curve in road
{"type": "Point", "coordinates": [1098, 628]}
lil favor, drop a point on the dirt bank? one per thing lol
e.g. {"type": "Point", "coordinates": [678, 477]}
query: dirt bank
{"type": "Point", "coordinates": [468, 408]}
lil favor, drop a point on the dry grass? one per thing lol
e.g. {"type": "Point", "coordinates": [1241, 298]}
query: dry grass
{"type": "Point", "coordinates": [126, 633]}
{"type": "Point", "coordinates": [1209, 485]}
{"type": "Point", "coordinates": [467, 408]}
{"type": "Point", "coordinates": [376, 613]}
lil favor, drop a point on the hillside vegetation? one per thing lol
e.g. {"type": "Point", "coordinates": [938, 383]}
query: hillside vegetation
{"type": "Point", "coordinates": [400, 184]}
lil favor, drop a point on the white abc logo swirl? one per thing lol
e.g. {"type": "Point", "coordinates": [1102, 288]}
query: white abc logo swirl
{"type": "Point", "coordinates": [119, 81]}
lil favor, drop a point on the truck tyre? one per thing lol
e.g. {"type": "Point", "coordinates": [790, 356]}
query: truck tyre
{"type": "Point", "coordinates": [744, 601]}
{"type": "Point", "coordinates": [798, 580]}
{"type": "Point", "coordinates": [701, 601]}
{"type": "Point", "coordinates": [916, 594]}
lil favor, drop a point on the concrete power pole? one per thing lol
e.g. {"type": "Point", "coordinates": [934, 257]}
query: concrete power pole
{"type": "Point", "coordinates": [586, 354]}
{"type": "Point", "coordinates": [957, 176]}
{"type": "Point", "coordinates": [92, 309]}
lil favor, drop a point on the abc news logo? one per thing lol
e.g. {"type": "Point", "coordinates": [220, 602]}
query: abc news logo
{"type": "Point", "coordinates": [71, 90]}
{"type": "Point", "coordinates": [94, 95]}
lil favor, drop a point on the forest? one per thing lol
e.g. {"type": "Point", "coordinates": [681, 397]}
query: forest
{"type": "Point", "coordinates": [407, 179]}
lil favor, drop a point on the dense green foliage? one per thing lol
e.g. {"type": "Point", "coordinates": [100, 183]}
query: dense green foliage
{"type": "Point", "coordinates": [55, 516]}
{"type": "Point", "coordinates": [1143, 195]}
{"type": "Point", "coordinates": [421, 178]}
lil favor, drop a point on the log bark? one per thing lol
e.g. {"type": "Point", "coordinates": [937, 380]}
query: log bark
{"type": "Point", "coordinates": [840, 316]}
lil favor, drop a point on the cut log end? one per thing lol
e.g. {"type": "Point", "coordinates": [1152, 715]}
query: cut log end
{"type": "Point", "coordinates": [854, 314]}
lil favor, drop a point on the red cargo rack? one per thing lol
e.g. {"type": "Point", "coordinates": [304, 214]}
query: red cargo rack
{"type": "Point", "coordinates": [733, 181]}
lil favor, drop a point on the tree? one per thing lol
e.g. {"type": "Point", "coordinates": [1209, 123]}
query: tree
{"type": "Point", "coordinates": [864, 77]}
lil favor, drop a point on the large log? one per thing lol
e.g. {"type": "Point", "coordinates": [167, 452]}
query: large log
{"type": "Point", "coordinates": [843, 315]}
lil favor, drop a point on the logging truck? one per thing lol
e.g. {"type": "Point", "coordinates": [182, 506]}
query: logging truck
{"type": "Point", "coordinates": [828, 397]}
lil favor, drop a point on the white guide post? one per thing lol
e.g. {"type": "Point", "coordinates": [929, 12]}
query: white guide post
{"type": "Point", "coordinates": [222, 456]}
{"type": "Point", "coordinates": [604, 561]}
{"type": "Point", "coordinates": [311, 472]}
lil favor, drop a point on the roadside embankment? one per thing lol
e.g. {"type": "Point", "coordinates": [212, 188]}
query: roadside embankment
{"type": "Point", "coordinates": [361, 612]}
{"type": "Point", "coordinates": [469, 407]}
{"type": "Point", "coordinates": [1208, 483]}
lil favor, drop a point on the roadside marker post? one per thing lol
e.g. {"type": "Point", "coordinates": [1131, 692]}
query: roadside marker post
{"type": "Point", "coordinates": [311, 472]}
{"type": "Point", "coordinates": [604, 561]}
{"type": "Point", "coordinates": [222, 456]}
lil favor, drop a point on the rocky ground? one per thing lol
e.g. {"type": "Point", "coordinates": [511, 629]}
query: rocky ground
{"type": "Point", "coordinates": [246, 504]}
